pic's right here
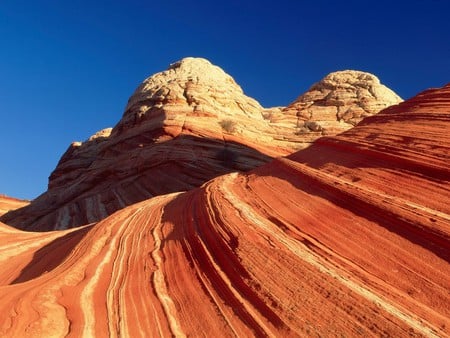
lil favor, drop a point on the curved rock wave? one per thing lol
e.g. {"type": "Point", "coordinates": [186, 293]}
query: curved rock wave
{"type": "Point", "coordinates": [183, 127]}
{"type": "Point", "coordinates": [348, 237]}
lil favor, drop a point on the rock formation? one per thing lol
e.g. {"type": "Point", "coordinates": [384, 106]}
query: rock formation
{"type": "Point", "coordinates": [10, 203]}
{"type": "Point", "coordinates": [169, 139]}
{"type": "Point", "coordinates": [181, 128]}
{"type": "Point", "coordinates": [337, 102]}
{"type": "Point", "coordinates": [349, 237]}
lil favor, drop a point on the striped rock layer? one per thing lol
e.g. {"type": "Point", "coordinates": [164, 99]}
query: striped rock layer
{"type": "Point", "coordinates": [349, 237]}
{"type": "Point", "coordinates": [181, 128]}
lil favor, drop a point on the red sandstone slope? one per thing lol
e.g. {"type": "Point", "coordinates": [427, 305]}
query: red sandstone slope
{"type": "Point", "coordinates": [181, 128]}
{"type": "Point", "coordinates": [350, 237]}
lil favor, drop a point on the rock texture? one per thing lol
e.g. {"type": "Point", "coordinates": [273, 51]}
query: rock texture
{"type": "Point", "coordinates": [181, 128]}
{"type": "Point", "coordinates": [349, 237]}
{"type": "Point", "coordinates": [10, 203]}
{"type": "Point", "coordinates": [169, 139]}
{"type": "Point", "coordinates": [338, 102]}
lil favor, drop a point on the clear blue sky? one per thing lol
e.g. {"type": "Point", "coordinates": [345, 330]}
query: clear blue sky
{"type": "Point", "coordinates": [67, 68]}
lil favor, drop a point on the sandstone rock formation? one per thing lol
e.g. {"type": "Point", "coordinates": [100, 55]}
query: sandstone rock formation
{"type": "Point", "coordinates": [10, 203]}
{"type": "Point", "coordinates": [349, 237]}
{"type": "Point", "coordinates": [337, 102]}
{"type": "Point", "coordinates": [169, 139]}
{"type": "Point", "coordinates": [181, 128]}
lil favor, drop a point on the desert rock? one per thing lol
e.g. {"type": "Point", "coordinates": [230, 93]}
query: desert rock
{"type": "Point", "coordinates": [9, 203]}
{"type": "Point", "coordinates": [181, 128]}
{"type": "Point", "coordinates": [349, 237]}
{"type": "Point", "coordinates": [338, 102]}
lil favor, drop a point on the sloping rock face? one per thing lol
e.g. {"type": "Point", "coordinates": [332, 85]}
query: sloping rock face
{"type": "Point", "coordinates": [10, 203]}
{"type": "Point", "coordinates": [349, 237]}
{"type": "Point", "coordinates": [337, 102]}
{"type": "Point", "coordinates": [181, 128]}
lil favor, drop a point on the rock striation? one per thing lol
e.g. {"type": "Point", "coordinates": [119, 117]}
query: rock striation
{"type": "Point", "coordinates": [349, 237]}
{"type": "Point", "coordinates": [173, 136]}
{"type": "Point", "coordinates": [181, 128]}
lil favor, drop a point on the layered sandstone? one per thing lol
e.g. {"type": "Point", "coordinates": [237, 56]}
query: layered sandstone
{"type": "Point", "coordinates": [349, 237]}
{"type": "Point", "coordinates": [338, 102]}
{"type": "Point", "coordinates": [181, 128]}
{"type": "Point", "coordinates": [9, 203]}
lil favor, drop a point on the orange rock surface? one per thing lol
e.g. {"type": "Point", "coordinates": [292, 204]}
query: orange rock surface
{"type": "Point", "coordinates": [181, 128]}
{"type": "Point", "coordinates": [349, 237]}
{"type": "Point", "coordinates": [10, 203]}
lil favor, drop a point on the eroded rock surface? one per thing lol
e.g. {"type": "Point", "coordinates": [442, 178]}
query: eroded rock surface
{"type": "Point", "coordinates": [349, 237]}
{"type": "Point", "coordinates": [338, 102]}
{"type": "Point", "coordinates": [181, 128]}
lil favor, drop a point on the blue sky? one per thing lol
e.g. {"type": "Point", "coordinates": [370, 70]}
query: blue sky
{"type": "Point", "coordinates": [67, 68]}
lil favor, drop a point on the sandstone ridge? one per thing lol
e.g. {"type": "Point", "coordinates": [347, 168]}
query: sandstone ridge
{"type": "Point", "coordinates": [348, 237]}
{"type": "Point", "coordinates": [181, 128]}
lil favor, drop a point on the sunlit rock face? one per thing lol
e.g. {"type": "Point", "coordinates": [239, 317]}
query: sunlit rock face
{"type": "Point", "coordinates": [192, 86]}
{"type": "Point", "coordinates": [181, 128]}
{"type": "Point", "coordinates": [338, 102]}
{"type": "Point", "coordinates": [9, 203]}
{"type": "Point", "coordinates": [349, 237]}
